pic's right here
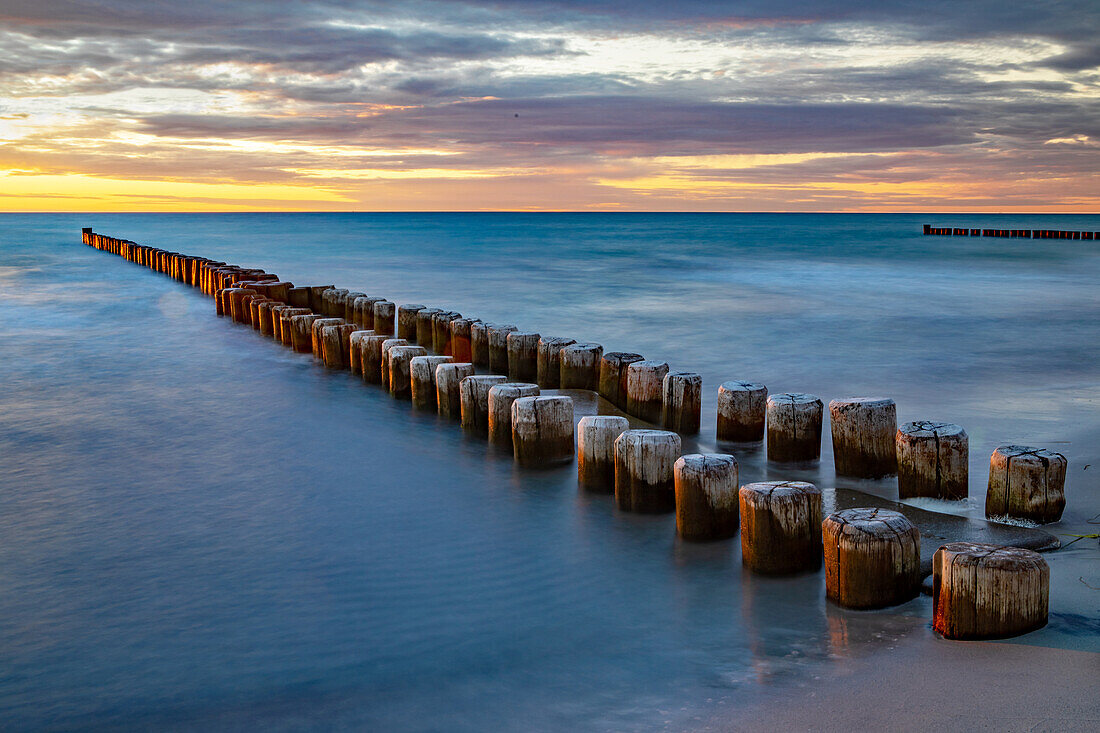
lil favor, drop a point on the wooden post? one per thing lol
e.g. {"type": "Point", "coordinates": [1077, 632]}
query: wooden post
{"type": "Point", "coordinates": [644, 389]}
{"type": "Point", "coordinates": [355, 346]}
{"type": "Point", "coordinates": [265, 317]}
{"type": "Point", "coordinates": [864, 437]}
{"type": "Point", "coordinates": [287, 326]}
{"type": "Point", "coordinates": [613, 370]}
{"type": "Point", "coordinates": [644, 477]}
{"type": "Point", "coordinates": [596, 436]}
{"type": "Point", "coordinates": [316, 326]}
{"type": "Point", "coordinates": [706, 496]}
{"type": "Point", "coordinates": [741, 409]}
{"type": "Point", "coordinates": [933, 460]}
{"type": "Point", "coordinates": [424, 326]}
{"type": "Point", "coordinates": [780, 527]}
{"type": "Point", "coordinates": [301, 332]}
{"type": "Point", "coordinates": [363, 306]}
{"type": "Point", "coordinates": [238, 309]}
{"type": "Point", "coordinates": [399, 359]}
{"type": "Point", "coordinates": [371, 356]}
{"type": "Point", "coordinates": [461, 348]}
{"type": "Point", "coordinates": [479, 343]}
{"type": "Point", "coordinates": [407, 321]}
{"type": "Point", "coordinates": [872, 558]}
{"type": "Point", "coordinates": [548, 368]}
{"type": "Point", "coordinates": [523, 355]}
{"type": "Point", "coordinates": [422, 380]}
{"type": "Point", "coordinates": [542, 430]}
{"type": "Point", "coordinates": [498, 347]}
{"type": "Point", "coordinates": [333, 349]}
{"type": "Point", "coordinates": [333, 302]}
{"type": "Point", "coordinates": [349, 299]}
{"type": "Point", "coordinates": [988, 592]}
{"type": "Point", "coordinates": [448, 377]}
{"type": "Point", "coordinates": [682, 402]}
{"type": "Point", "coordinates": [473, 393]}
{"type": "Point", "coordinates": [317, 298]}
{"type": "Point", "coordinates": [441, 331]}
{"type": "Point", "coordinates": [388, 344]}
{"type": "Point", "coordinates": [501, 397]}
{"type": "Point", "coordinates": [1026, 483]}
{"type": "Point", "coordinates": [275, 314]}
{"type": "Point", "coordinates": [383, 317]}
{"type": "Point", "coordinates": [794, 427]}
{"type": "Point", "coordinates": [580, 366]}
{"type": "Point", "coordinates": [298, 297]}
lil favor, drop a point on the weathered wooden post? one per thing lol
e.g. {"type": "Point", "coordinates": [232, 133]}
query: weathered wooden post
{"type": "Point", "coordinates": [872, 558]}
{"type": "Point", "coordinates": [580, 366]}
{"type": "Point", "coordinates": [265, 318]}
{"type": "Point", "coordinates": [501, 397]}
{"type": "Point", "coordinates": [682, 402]}
{"type": "Point", "coordinates": [424, 326]}
{"type": "Point", "coordinates": [332, 348]}
{"type": "Point", "coordinates": [333, 302]}
{"type": "Point", "coordinates": [479, 343]}
{"type": "Point", "coordinates": [274, 316]}
{"type": "Point", "coordinates": [864, 437]}
{"type": "Point", "coordinates": [287, 327]}
{"type": "Point", "coordinates": [441, 331]}
{"type": "Point", "coordinates": [596, 436]}
{"type": "Point", "coordinates": [780, 527]}
{"type": "Point", "coordinates": [613, 371]}
{"type": "Point", "coordinates": [498, 347]}
{"type": "Point", "coordinates": [301, 332]}
{"type": "Point", "coordinates": [318, 349]}
{"type": "Point", "coordinates": [407, 321]}
{"type": "Point", "coordinates": [448, 377]}
{"type": "Point", "coordinates": [317, 298]}
{"type": "Point", "coordinates": [298, 297]}
{"type": "Point", "coordinates": [238, 309]}
{"type": "Point", "coordinates": [548, 368]}
{"type": "Point", "coordinates": [383, 317]}
{"type": "Point", "coordinates": [542, 430]}
{"type": "Point", "coordinates": [399, 359]}
{"type": "Point", "coordinates": [988, 592]}
{"type": "Point", "coordinates": [933, 460]}
{"type": "Point", "coordinates": [523, 356]}
{"type": "Point", "coordinates": [741, 410]}
{"type": "Point", "coordinates": [350, 314]}
{"type": "Point", "coordinates": [644, 478]}
{"type": "Point", "coordinates": [355, 346]}
{"type": "Point", "coordinates": [364, 310]}
{"type": "Point", "coordinates": [474, 397]}
{"type": "Point", "coordinates": [706, 496]}
{"type": "Point", "coordinates": [644, 389]}
{"type": "Point", "coordinates": [461, 348]}
{"type": "Point", "coordinates": [794, 427]}
{"type": "Point", "coordinates": [422, 379]}
{"type": "Point", "coordinates": [372, 357]}
{"type": "Point", "coordinates": [388, 344]}
{"type": "Point", "coordinates": [1026, 483]}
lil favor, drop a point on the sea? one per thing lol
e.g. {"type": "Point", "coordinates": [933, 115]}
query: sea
{"type": "Point", "coordinates": [202, 530]}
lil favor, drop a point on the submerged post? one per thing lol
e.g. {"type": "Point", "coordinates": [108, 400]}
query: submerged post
{"type": "Point", "coordinates": [794, 427]}
{"type": "Point", "coordinates": [473, 393]}
{"type": "Point", "coordinates": [872, 558]}
{"type": "Point", "coordinates": [780, 527]}
{"type": "Point", "coordinates": [596, 436]}
{"type": "Point", "coordinates": [580, 366]}
{"type": "Point", "coordinates": [644, 478]}
{"type": "Point", "coordinates": [422, 380]}
{"type": "Point", "coordinates": [682, 402]}
{"type": "Point", "coordinates": [864, 437]}
{"type": "Point", "coordinates": [523, 353]}
{"type": "Point", "coordinates": [741, 410]}
{"type": "Point", "coordinates": [933, 460]}
{"type": "Point", "coordinates": [644, 389]}
{"type": "Point", "coordinates": [548, 369]}
{"type": "Point", "coordinates": [501, 397]}
{"type": "Point", "coordinates": [613, 371]}
{"type": "Point", "coordinates": [448, 378]}
{"type": "Point", "coordinates": [706, 496]}
{"type": "Point", "coordinates": [542, 430]}
{"type": "Point", "coordinates": [1026, 483]}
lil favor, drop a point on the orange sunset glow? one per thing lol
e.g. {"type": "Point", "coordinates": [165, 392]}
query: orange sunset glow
{"type": "Point", "coordinates": [477, 106]}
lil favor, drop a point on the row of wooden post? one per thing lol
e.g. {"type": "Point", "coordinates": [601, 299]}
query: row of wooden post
{"type": "Point", "coordinates": [871, 556]}
{"type": "Point", "coordinates": [1012, 233]}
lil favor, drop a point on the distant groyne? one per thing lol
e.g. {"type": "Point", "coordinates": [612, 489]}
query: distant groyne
{"type": "Point", "coordinates": [429, 356]}
{"type": "Point", "coordinates": [1022, 233]}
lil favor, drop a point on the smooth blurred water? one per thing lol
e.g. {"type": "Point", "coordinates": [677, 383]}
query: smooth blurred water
{"type": "Point", "coordinates": [200, 529]}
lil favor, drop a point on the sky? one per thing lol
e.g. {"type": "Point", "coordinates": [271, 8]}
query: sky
{"type": "Point", "coordinates": [692, 105]}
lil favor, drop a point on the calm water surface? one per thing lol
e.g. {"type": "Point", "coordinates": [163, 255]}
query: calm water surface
{"type": "Point", "coordinates": [201, 529]}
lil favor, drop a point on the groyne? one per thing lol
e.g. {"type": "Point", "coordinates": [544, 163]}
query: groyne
{"type": "Point", "coordinates": [930, 230]}
{"type": "Point", "coordinates": [431, 356]}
